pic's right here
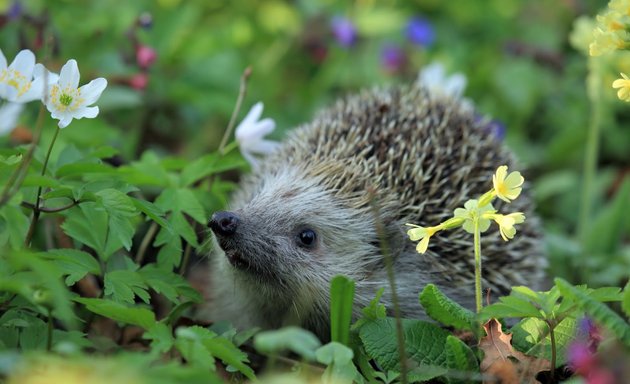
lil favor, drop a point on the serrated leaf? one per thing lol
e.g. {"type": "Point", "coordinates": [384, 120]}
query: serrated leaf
{"type": "Point", "coordinates": [124, 285]}
{"type": "Point", "coordinates": [141, 317]}
{"type": "Point", "coordinates": [338, 359]}
{"type": "Point", "coordinates": [446, 311]}
{"type": "Point", "coordinates": [460, 357]}
{"type": "Point", "coordinates": [424, 343]}
{"type": "Point", "coordinates": [89, 225]}
{"type": "Point", "coordinates": [531, 336]}
{"type": "Point", "coordinates": [341, 298]}
{"type": "Point", "coordinates": [152, 211]}
{"type": "Point", "coordinates": [116, 202]}
{"type": "Point", "coordinates": [208, 165]}
{"type": "Point", "coordinates": [74, 263]}
{"type": "Point", "coordinates": [598, 311]}
{"type": "Point", "coordinates": [605, 294]}
{"type": "Point", "coordinates": [227, 352]}
{"type": "Point", "coordinates": [297, 340]}
{"type": "Point", "coordinates": [189, 342]}
{"type": "Point", "coordinates": [161, 336]}
{"type": "Point", "coordinates": [183, 228]}
{"type": "Point", "coordinates": [168, 283]}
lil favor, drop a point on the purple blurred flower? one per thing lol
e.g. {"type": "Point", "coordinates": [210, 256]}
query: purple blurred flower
{"type": "Point", "coordinates": [145, 20]}
{"type": "Point", "coordinates": [496, 128]}
{"type": "Point", "coordinates": [145, 56]}
{"type": "Point", "coordinates": [393, 58]}
{"type": "Point", "coordinates": [15, 10]}
{"type": "Point", "coordinates": [420, 31]}
{"type": "Point", "coordinates": [580, 358]}
{"type": "Point", "coordinates": [344, 31]}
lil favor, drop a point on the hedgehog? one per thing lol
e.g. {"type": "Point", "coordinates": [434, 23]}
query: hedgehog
{"type": "Point", "coordinates": [334, 200]}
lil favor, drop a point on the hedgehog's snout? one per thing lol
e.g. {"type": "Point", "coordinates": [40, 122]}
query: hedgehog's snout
{"type": "Point", "coordinates": [224, 223]}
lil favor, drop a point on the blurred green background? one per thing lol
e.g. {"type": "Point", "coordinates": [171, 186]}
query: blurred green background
{"type": "Point", "coordinates": [516, 55]}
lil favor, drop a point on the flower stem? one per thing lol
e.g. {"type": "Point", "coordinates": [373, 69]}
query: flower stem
{"type": "Point", "coordinates": [477, 244]}
{"type": "Point", "coordinates": [553, 351]}
{"type": "Point", "coordinates": [591, 154]}
{"type": "Point", "coordinates": [14, 182]}
{"type": "Point", "coordinates": [36, 208]}
{"type": "Point", "coordinates": [237, 108]}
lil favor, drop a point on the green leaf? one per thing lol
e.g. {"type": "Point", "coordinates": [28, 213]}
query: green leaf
{"type": "Point", "coordinates": [189, 342]}
{"type": "Point", "coordinates": [625, 302]}
{"type": "Point", "coordinates": [531, 336]}
{"type": "Point", "coordinates": [605, 294]}
{"type": "Point", "coordinates": [227, 352]}
{"type": "Point", "coordinates": [119, 208]}
{"type": "Point", "coordinates": [124, 285]}
{"type": "Point", "coordinates": [598, 311]}
{"type": "Point", "coordinates": [81, 169]}
{"type": "Point", "coordinates": [341, 298]}
{"type": "Point", "coordinates": [13, 227]}
{"type": "Point", "coordinates": [141, 317]}
{"type": "Point", "coordinates": [208, 165]}
{"type": "Point", "coordinates": [374, 310]}
{"type": "Point", "coordinates": [181, 200]}
{"type": "Point", "coordinates": [424, 343]}
{"type": "Point", "coordinates": [152, 211]}
{"type": "Point", "coordinates": [294, 339]}
{"type": "Point", "coordinates": [74, 263]}
{"type": "Point", "coordinates": [338, 359]}
{"type": "Point", "coordinates": [161, 336]}
{"type": "Point", "coordinates": [460, 357]}
{"type": "Point", "coordinates": [444, 310]}
{"type": "Point", "coordinates": [510, 306]}
{"type": "Point", "coordinates": [35, 180]}
{"type": "Point", "coordinates": [89, 224]}
{"type": "Point", "coordinates": [168, 283]}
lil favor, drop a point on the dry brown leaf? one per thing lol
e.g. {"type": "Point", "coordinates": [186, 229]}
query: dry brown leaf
{"type": "Point", "coordinates": [508, 365]}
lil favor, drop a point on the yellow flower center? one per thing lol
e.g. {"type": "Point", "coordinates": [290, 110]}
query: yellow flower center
{"type": "Point", "coordinates": [16, 80]}
{"type": "Point", "coordinates": [66, 99]}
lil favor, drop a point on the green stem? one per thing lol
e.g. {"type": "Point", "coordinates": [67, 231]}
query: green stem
{"type": "Point", "coordinates": [50, 331]}
{"type": "Point", "coordinates": [237, 108]}
{"type": "Point", "coordinates": [14, 182]}
{"type": "Point", "coordinates": [477, 241]}
{"type": "Point", "coordinates": [36, 208]}
{"type": "Point", "coordinates": [594, 86]}
{"type": "Point", "coordinates": [553, 351]}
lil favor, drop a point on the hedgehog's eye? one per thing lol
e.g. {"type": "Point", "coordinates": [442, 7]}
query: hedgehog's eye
{"type": "Point", "coordinates": [306, 238]}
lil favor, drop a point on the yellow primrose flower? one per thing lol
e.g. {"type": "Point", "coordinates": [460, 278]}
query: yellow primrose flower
{"type": "Point", "coordinates": [624, 87]}
{"type": "Point", "coordinates": [506, 223]}
{"type": "Point", "coordinates": [507, 187]}
{"type": "Point", "coordinates": [612, 21]}
{"type": "Point", "coordinates": [423, 234]}
{"type": "Point", "coordinates": [621, 6]}
{"type": "Point", "coordinates": [606, 41]}
{"type": "Point", "coordinates": [470, 212]}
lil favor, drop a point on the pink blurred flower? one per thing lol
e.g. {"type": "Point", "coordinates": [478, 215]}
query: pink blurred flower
{"type": "Point", "coordinates": [581, 359]}
{"type": "Point", "coordinates": [139, 81]}
{"type": "Point", "coordinates": [145, 56]}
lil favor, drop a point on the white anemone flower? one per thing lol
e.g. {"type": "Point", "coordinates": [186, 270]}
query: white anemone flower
{"type": "Point", "coordinates": [16, 80]}
{"type": "Point", "coordinates": [9, 114]}
{"type": "Point", "coordinates": [433, 76]}
{"type": "Point", "coordinates": [250, 132]}
{"type": "Point", "coordinates": [66, 101]}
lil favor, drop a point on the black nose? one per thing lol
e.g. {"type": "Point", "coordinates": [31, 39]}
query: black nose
{"type": "Point", "coordinates": [223, 223]}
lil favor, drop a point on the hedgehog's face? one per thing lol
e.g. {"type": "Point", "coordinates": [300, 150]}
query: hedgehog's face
{"type": "Point", "coordinates": [290, 232]}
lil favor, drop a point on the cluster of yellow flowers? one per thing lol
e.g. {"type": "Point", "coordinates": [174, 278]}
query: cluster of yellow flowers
{"type": "Point", "coordinates": [611, 34]}
{"type": "Point", "coordinates": [478, 214]}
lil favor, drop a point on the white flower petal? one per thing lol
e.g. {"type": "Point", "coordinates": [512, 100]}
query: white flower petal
{"type": "Point", "coordinates": [89, 112]}
{"type": "Point", "coordinates": [250, 159]}
{"type": "Point", "coordinates": [35, 92]}
{"type": "Point", "coordinates": [3, 61]}
{"type": "Point", "coordinates": [64, 122]}
{"type": "Point", "coordinates": [9, 114]}
{"type": "Point", "coordinates": [264, 147]}
{"type": "Point", "coordinates": [69, 75]}
{"type": "Point", "coordinates": [250, 119]}
{"type": "Point", "coordinates": [432, 75]}
{"type": "Point", "coordinates": [455, 85]}
{"type": "Point", "coordinates": [92, 90]}
{"type": "Point", "coordinates": [41, 71]}
{"type": "Point", "coordinates": [24, 62]}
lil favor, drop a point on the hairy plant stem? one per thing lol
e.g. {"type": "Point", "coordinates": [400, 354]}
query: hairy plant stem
{"type": "Point", "coordinates": [239, 101]}
{"type": "Point", "coordinates": [389, 265]}
{"type": "Point", "coordinates": [36, 208]}
{"type": "Point", "coordinates": [477, 242]}
{"type": "Point", "coordinates": [594, 85]}
{"type": "Point", "coordinates": [15, 181]}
